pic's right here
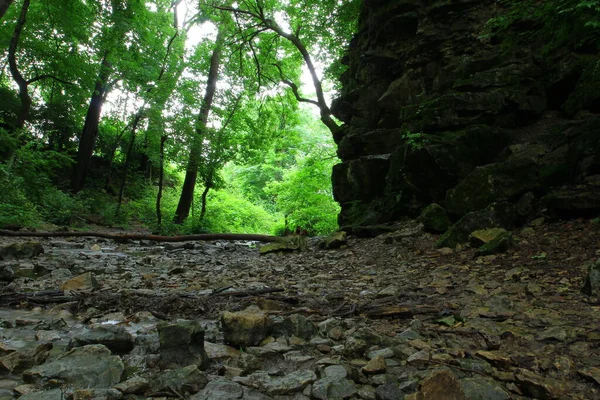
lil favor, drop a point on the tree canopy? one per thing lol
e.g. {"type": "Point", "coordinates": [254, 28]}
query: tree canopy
{"type": "Point", "coordinates": [213, 114]}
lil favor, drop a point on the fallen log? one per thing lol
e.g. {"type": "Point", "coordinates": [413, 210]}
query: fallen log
{"type": "Point", "coordinates": [155, 238]}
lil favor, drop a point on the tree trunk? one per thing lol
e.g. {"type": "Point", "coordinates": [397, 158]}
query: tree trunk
{"type": "Point", "coordinates": [87, 141]}
{"type": "Point", "coordinates": [136, 121]}
{"type": "Point", "coordinates": [4, 4]}
{"type": "Point", "coordinates": [189, 183]}
{"type": "Point", "coordinates": [14, 69]}
{"type": "Point", "coordinates": [207, 186]}
{"type": "Point", "coordinates": [161, 178]}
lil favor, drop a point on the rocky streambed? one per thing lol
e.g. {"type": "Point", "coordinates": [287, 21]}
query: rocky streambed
{"type": "Point", "coordinates": [388, 317]}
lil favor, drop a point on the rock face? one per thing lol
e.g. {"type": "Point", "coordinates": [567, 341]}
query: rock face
{"type": "Point", "coordinates": [435, 113]}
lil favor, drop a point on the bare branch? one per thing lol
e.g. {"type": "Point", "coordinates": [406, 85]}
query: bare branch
{"type": "Point", "coordinates": [294, 88]}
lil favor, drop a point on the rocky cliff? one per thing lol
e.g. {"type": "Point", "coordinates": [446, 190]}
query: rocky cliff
{"type": "Point", "coordinates": [436, 112]}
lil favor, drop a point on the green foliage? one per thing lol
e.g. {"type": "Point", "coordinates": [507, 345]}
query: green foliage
{"type": "Point", "coordinates": [228, 212]}
{"type": "Point", "coordinates": [304, 196]}
{"type": "Point", "coordinates": [414, 141]}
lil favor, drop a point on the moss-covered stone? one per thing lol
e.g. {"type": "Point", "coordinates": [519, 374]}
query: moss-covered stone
{"type": "Point", "coordinates": [434, 218]}
{"type": "Point", "coordinates": [483, 236]}
{"type": "Point", "coordinates": [502, 215]}
{"type": "Point", "coordinates": [499, 244]}
{"type": "Point", "coordinates": [492, 183]}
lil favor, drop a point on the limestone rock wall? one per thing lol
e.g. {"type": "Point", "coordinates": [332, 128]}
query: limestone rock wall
{"type": "Point", "coordinates": [435, 112]}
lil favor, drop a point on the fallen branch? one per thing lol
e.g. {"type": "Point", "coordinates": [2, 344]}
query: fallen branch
{"type": "Point", "coordinates": [155, 238]}
{"type": "Point", "coordinates": [248, 292]}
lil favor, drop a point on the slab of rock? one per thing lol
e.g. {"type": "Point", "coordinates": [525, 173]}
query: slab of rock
{"type": "Point", "coordinates": [288, 384]}
{"type": "Point", "coordinates": [90, 366]}
{"type": "Point", "coordinates": [19, 361]}
{"type": "Point", "coordinates": [591, 374]}
{"type": "Point", "coordinates": [181, 345]}
{"type": "Point", "coordinates": [334, 241]}
{"type": "Point", "coordinates": [54, 394]}
{"type": "Point", "coordinates": [94, 394]}
{"type": "Point", "coordinates": [376, 365]}
{"type": "Point", "coordinates": [483, 236]}
{"type": "Point", "coordinates": [441, 385]}
{"type": "Point", "coordinates": [288, 243]}
{"type": "Point", "coordinates": [479, 388]}
{"type": "Point", "coordinates": [21, 250]}
{"type": "Point", "coordinates": [115, 337]}
{"type": "Point", "coordinates": [137, 384]}
{"type": "Point", "coordinates": [499, 244]}
{"type": "Point", "coordinates": [537, 386]}
{"type": "Point", "coordinates": [178, 382]}
{"type": "Point", "coordinates": [333, 387]}
{"type": "Point", "coordinates": [245, 328]}
{"type": "Point", "coordinates": [85, 281]}
{"type": "Point", "coordinates": [220, 389]}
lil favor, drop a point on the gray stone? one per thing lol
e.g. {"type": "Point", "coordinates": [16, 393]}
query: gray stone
{"type": "Point", "coordinates": [389, 391]}
{"type": "Point", "coordinates": [181, 344]}
{"type": "Point", "coordinates": [97, 394]}
{"type": "Point", "coordinates": [333, 388]}
{"type": "Point", "coordinates": [334, 241]}
{"type": "Point", "coordinates": [220, 389]}
{"type": "Point", "coordinates": [335, 371]}
{"type": "Point", "coordinates": [480, 388]}
{"type": "Point", "coordinates": [20, 360]}
{"type": "Point", "coordinates": [90, 366]}
{"type": "Point", "coordinates": [21, 250]}
{"type": "Point", "coordinates": [179, 381]}
{"type": "Point", "coordinates": [115, 337]}
{"type": "Point", "coordinates": [54, 394]}
{"type": "Point", "coordinates": [287, 384]}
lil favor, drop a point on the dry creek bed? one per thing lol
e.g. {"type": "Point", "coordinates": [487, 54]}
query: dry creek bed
{"type": "Point", "coordinates": [383, 318]}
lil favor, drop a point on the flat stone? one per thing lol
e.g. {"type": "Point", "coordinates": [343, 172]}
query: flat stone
{"type": "Point", "coordinates": [90, 366]}
{"type": "Point", "coordinates": [183, 380]}
{"type": "Point", "coordinates": [82, 282]}
{"type": "Point", "coordinates": [220, 389]}
{"type": "Point", "coordinates": [376, 365]}
{"type": "Point", "coordinates": [332, 387]}
{"type": "Point", "coordinates": [20, 360]}
{"type": "Point", "coordinates": [54, 394]}
{"type": "Point", "coordinates": [480, 388]}
{"type": "Point", "coordinates": [441, 385]}
{"type": "Point", "coordinates": [290, 383]}
{"type": "Point", "coordinates": [336, 371]}
{"type": "Point", "coordinates": [536, 386]}
{"type": "Point", "coordinates": [495, 359]}
{"type": "Point", "coordinates": [137, 384]}
{"type": "Point", "coordinates": [591, 373]}
{"type": "Point", "coordinates": [21, 250]}
{"type": "Point", "coordinates": [115, 337]}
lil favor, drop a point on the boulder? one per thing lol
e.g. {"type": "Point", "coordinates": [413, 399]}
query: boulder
{"type": "Point", "coordinates": [115, 337]}
{"type": "Point", "coordinates": [21, 250]}
{"type": "Point", "coordinates": [503, 215]}
{"type": "Point", "coordinates": [90, 366]}
{"type": "Point", "coordinates": [434, 218]}
{"type": "Point", "coordinates": [245, 328]}
{"type": "Point", "coordinates": [181, 344]}
{"type": "Point", "coordinates": [180, 382]}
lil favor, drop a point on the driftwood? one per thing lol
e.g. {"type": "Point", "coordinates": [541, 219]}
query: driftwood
{"type": "Point", "coordinates": [156, 238]}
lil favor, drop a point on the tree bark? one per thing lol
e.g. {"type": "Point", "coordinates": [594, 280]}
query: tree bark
{"type": "Point", "coordinates": [4, 4]}
{"type": "Point", "coordinates": [14, 69]}
{"type": "Point", "coordinates": [89, 134]}
{"type": "Point", "coordinates": [189, 183]}
{"type": "Point", "coordinates": [134, 126]}
{"type": "Point", "coordinates": [161, 178]}
{"type": "Point", "coordinates": [207, 186]}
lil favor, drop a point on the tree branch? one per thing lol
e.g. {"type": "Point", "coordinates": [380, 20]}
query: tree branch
{"type": "Point", "coordinates": [294, 88]}
{"type": "Point", "coordinates": [48, 76]}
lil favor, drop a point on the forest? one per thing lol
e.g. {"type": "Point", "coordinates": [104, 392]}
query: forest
{"type": "Point", "coordinates": [174, 116]}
